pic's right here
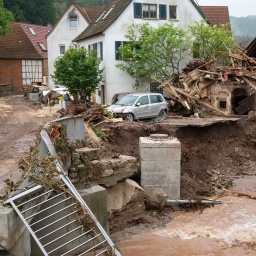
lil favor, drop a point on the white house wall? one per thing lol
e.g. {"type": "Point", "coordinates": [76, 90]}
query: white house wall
{"type": "Point", "coordinates": [117, 81]}
{"type": "Point", "coordinates": [63, 35]}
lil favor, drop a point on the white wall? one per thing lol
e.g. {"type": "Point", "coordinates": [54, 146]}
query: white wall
{"type": "Point", "coordinates": [62, 35]}
{"type": "Point", "coordinates": [117, 81]}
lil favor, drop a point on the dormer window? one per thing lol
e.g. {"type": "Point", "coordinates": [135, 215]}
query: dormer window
{"type": "Point", "coordinates": [72, 19]}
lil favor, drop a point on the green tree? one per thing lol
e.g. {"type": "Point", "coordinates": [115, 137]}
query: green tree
{"type": "Point", "coordinates": [212, 42]}
{"type": "Point", "coordinates": [5, 18]}
{"type": "Point", "coordinates": [33, 11]}
{"type": "Point", "coordinates": [153, 52]}
{"type": "Point", "coordinates": [78, 70]}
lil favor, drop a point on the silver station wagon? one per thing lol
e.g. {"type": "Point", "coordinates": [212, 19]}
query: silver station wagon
{"type": "Point", "coordinates": [137, 106]}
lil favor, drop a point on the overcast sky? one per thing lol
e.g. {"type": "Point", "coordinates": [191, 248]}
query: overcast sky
{"type": "Point", "coordinates": [237, 8]}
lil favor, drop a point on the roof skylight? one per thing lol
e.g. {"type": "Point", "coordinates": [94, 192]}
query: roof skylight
{"type": "Point", "coordinates": [32, 31]}
{"type": "Point", "coordinates": [43, 47]}
{"type": "Point", "coordinates": [108, 12]}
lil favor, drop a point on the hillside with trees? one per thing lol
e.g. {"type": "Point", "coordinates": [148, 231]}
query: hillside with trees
{"type": "Point", "coordinates": [44, 12]}
{"type": "Point", "coordinates": [244, 28]}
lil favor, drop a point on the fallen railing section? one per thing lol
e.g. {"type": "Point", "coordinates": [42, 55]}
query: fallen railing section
{"type": "Point", "coordinates": [59, 220]}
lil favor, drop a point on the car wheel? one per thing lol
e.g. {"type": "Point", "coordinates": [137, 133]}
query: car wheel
{"type": "Point", "coordinates": [162, 114]}
{"type": "Point", "coordinates": [129, 117]}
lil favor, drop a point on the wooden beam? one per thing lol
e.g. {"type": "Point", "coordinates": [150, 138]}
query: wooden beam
{"type": "Point", "coordinates": [198, 101]}
{"type": "Point", "coordinates": [249, 82]}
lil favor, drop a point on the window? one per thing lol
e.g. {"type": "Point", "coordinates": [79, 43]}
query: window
{"type": "Point", "coordinates": [149, 11]}
{"type": "Point", "coordinates": [73, 19]}
{"type": "Point", "coordinates": [223, 104]}
{"type": "Point", "coordinates": [117, 54]}
{"type": "Point", "coordinates": [98, 47]}
{"type": "Point", "coordinates": [94, 47]}
{"type": "Point", "coordinates": [173, 12]}
{"type": "Point", "coordinates": [108, 12]}
{"type": "Point", "coordinates": [62, 49]}
{"type": "Point", "coordinates": [32, 31]}
{"type": "Point", "coordinates": [128, 55]}
{"type": "Point", "coordinates": [42, 47]}
{"type": "Point", "coordinates": [143, 100]}
{"type": "Point", "coordinates": [73, 23]}
{"type": "Point", "coordinates": [100, 17]}
{"type": "Point", "coordinates": [155, 99]}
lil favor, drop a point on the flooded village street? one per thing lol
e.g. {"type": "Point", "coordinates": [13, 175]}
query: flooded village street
{"type": "Point", "coordinates": [223, 230]}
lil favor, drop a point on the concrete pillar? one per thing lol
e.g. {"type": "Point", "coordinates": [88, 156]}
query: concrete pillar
{"type": "Point", "coordinates": [160, 164]}
{"type": "Point", "coordinates": [96, 198]}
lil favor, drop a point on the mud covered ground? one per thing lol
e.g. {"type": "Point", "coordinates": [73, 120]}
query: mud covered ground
{"type": "Point", "coordinates": [212, 156]}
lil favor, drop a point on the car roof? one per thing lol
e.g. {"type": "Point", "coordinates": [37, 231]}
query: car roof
{"type": "Point", "coordinates": [143, 93]}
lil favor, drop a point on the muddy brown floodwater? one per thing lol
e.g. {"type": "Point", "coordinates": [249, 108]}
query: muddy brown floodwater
{"type": "Point", "coordinates": [225, 229]}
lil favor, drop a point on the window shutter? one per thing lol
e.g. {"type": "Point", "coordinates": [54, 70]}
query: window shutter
{"type": "Point", "coordinates": [89, 47]}
{"type": "Point", "coordinates": [137, 10]}
{"type": "Point", "coordinates": [117, 45]}
{"type": "Point", "coordinates": [94, 47]}
{"type": "Point", "coordinates": [162, 12]}
{"type": "Point", "coordinates": [101, 50]}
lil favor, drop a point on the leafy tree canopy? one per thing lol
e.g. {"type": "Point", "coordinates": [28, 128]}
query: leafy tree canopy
{"type": "Point", "coordinates": [78, 70]}
{"type": "Point", "coordinates": [158, 52]}
{"type": "Point", "coordinates": [5, 18]}
{"type": "Point", "coordinates": [153, 52]}
{"type": "Point", "coordinates": [211, 42]}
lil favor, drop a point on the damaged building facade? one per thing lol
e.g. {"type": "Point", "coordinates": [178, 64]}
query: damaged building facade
{"type": "Point", "coordinates": [229, 90]}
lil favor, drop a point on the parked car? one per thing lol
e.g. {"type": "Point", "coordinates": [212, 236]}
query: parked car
{"type": "Point", "coordinates": [135, 106]}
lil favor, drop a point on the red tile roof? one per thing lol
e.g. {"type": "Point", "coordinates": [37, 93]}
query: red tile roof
{"type": "Point", "coordinates": [216, 15]}
{"type": "Point", "coordinates": [19, 43]}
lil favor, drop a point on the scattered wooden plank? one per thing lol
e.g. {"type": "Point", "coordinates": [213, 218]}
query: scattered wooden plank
{"type": "Point", "coordinates": [178, 90]}
{"type": "Point", "coordinates": [249, 82]}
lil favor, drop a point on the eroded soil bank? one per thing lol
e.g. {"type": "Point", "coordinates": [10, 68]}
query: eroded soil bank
{"type": "Point", "coordinates": [212, 156]}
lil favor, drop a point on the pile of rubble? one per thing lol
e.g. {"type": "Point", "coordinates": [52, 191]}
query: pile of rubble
{"type": "Point", "coordinates": [195, 89]}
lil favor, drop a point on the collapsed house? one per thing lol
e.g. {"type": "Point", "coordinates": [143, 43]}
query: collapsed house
{"type": "Point", "coordinates": [226, 90]}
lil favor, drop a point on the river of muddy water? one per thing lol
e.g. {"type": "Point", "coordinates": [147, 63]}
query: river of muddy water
{"type": "Point", "coordinates": [225, 229]}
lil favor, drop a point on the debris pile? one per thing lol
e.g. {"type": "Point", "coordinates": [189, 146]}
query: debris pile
{"type": "Point", "coordinates": [202, 79]}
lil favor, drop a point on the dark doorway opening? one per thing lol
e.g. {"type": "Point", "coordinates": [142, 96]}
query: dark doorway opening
{"type": "Point", "coordinates": [238, 95]}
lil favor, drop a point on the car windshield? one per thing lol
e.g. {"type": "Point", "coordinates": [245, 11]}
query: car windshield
{"type": "Point", "coordinates": [127, 100]}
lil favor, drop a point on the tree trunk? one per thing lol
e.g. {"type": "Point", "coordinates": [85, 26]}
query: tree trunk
{"type": "Point", "coordinates": [76, 100]}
